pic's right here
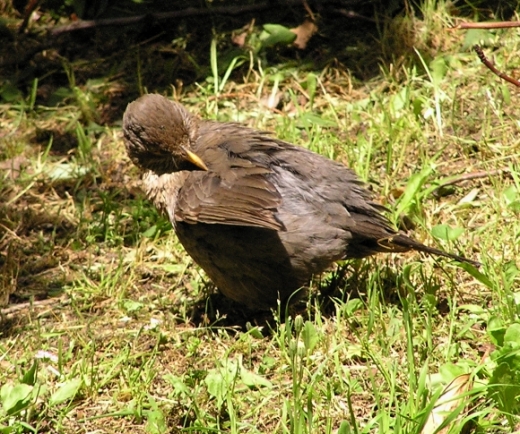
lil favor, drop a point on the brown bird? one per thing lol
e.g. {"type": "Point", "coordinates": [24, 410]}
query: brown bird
{"type": "Point", "coordinates": [258, 214]}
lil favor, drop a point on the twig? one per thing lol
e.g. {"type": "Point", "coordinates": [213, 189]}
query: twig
{"type": "Point", "coordinates": [474, 175]}
{"type": "Point", "coordinates": [10, 312]}
{"type": "Point", "coordinates": [188, 12]}
{"type": "Point", "coordinates": [492, 67]}
{"type": "Point", "coordinates": [29, 9]}
{"type": "Point", "coordinates": [492, 25]}
{"type": "Point", "coordinates": [354, 15]}
{"type": "Point", "coordinates": [309, 11]}
{"type": "Point", "coordinates": [13, 233]}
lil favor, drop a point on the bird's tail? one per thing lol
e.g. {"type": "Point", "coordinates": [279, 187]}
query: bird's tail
{"type": "Point", "coordinates": [401, 243]}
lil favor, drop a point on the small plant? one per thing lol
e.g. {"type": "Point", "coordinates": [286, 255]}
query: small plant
{"type": "Point", "coordinates": [504, 382]}
{"type": "Point", "coordinates": [23, 402]}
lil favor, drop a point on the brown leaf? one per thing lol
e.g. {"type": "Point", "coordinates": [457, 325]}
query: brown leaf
{"type": "Point", "coordinates": [239, 38]}
{"type": "Point", "coordinates": [272, 100]}
{"type": "Point", "coordinates": [304, 33]}
{"type": "Point", "coordinates": [449, 400]}
{"type": "Point", "coordinates": [397, 192]}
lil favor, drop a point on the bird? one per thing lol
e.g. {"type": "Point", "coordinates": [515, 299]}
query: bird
{"type": "Point", "coordinates": [259, 215]}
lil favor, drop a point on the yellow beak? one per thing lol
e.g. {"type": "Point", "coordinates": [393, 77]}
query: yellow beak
{"type": "Point", "coordinates": [195, 159]}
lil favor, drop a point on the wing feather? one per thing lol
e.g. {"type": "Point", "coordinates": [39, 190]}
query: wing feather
{"type": "Point", "coordinates": [245, 201]}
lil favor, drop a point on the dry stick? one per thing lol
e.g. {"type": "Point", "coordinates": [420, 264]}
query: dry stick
{"type": "Point", "coordinates": [494, 70]}
{"type": "Point", "coordinates": [474, 175]}
{"type": "Point", "coordinates": [9, 312]}
{"type": "Point", "coordinates": [493, 25]}
{"type": "Point", "coordinates": [309, 11]}
{"type": "Point", "coordinates": [354, 15]}
{"type": "Point", "coordinates": [29, 9]}
{"type": "Point", "coordinates": [188, 12]}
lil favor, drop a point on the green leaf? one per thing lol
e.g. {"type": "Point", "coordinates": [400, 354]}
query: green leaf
{"type": "Point", "coordinates": [496, 331]}
{"type": "Point", "coordinates": [275, 34]}
{"type": "Point", "coordinates": [510, 194]}
{"type": "Point", "coordinates": [512, 334]}
{"type": "Point", "coordinates": [400, 100]}
{"type": "Point", "coordinates": [505, 388]}
{"type": "Point", "coordinates": [268, 362]}
{"type": "Point", "coordinates": [476, 36]}
{"type": "Point", "coordinates": [59, 95]}
{"type": "Point", "coordinates": [254, 331]}
{"type": "Point", "coordinates": [66, 171]}
{"type": "Point", "coordinates": [310, 336]}
{"type": "Point", "coordinates": [156, 422]}
{"type": "Point", "coordinates": [418, 104]}
{"type": "Point", "coordinates": [352, 306]}
{"type": "Point", "coordinates": [10, 93]}
{"type": "Point", "coordinates": [512, 198]}
{"type": "Point", "coordinates": [220, 381]}
{"type": "Point", "coordinates": [412, 189]}
{"type": "Point", "coordinates": [446, 232]}
{"type": "Point", "coordinates": [66, 391]}
{"type": "Point", "coordinates": [438, 69]}
{"type": "Point", "coordinates": [473, 271]}
{"type": "Point", "coordinates": [30, 376]}
{"type": "Point", "coordinates": [449, 371]}
{"type": "Point", "coordinates": [179, 386]}
{"type": "Point", "coordinates": [251, 379]}
{"type": "Point", "coordinates": [150, 232]}
{"type": "Point", "coordinates": [344, 428]}
{"type": "Point", "coordinates": [15, 397]}
{"type": "Point", "coordinates": [506, 93]}
{"type": "Point", "coordinates": [132, 306]}
{"type": "Point", "coordinates": [475, 309]}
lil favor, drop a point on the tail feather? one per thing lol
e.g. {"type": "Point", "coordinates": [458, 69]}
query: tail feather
{"type": "Point", "coordinates": [402, 243]}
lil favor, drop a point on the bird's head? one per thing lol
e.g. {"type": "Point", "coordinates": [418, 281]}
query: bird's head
{"type": "Point", "coordinates": [159, 134]}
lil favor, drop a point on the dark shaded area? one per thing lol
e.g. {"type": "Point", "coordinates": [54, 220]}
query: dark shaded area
{"type": "Point", "coordinates": [158, 53]}
{"type": "Point", "coordinates": [349, 281]}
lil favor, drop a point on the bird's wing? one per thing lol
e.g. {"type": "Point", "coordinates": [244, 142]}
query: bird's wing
{"type": "Point", "coordinates": [245, 198]}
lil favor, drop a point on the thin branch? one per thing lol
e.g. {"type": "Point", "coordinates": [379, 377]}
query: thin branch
{"type": "Point", "coordinates": [188, 12]}
{"type": "Point", "coordinates": [491, 25]}
{"type": "Point", "coordinates": [309, 10]}
{"type": "Point", "coordinates": [15, 310]}
{"type": "Point", "coordinates": [354, 15]}
{"type": "Point", "coordinates": [474, 175]}
{"type": "Point", "coordinates": [194, 12]}
{"type": "Point", "coordinates": [29, 9]}
{"type": "Point", "coordinates": [494, 70]}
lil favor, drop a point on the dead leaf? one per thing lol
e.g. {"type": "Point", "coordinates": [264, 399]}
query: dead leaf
{"type": "Point", "coordinates": [304, 33]}
{"type": "Point", "coordinates": [447, 402]}
{"type": "Point", "coordinates": [272, 100]}
{"type": "Point", "coordinates": [397, 192]}
{"type": "Point", "coordinates": [239, 39]}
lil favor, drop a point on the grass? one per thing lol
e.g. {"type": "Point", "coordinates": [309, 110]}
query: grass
{"type": "Point", "coordinates": [118, 333]}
